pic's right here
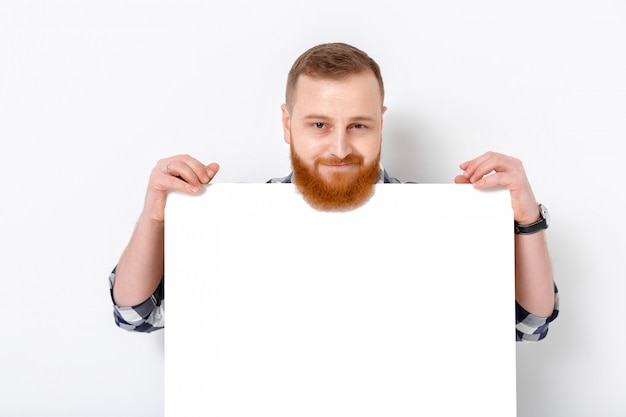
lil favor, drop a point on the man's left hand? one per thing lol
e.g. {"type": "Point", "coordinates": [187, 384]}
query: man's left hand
{"type": "Point", "coordinates": [492, 169]}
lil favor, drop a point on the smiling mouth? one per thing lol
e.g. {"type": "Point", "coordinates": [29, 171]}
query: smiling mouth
{"type": "Point", "coordinates": [340, 164]}
{"type": "Point", "coordinates": [339, 167]}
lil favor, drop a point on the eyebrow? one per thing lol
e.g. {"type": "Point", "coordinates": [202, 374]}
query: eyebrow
{"type": "Point", "coordinates": [352, 119]}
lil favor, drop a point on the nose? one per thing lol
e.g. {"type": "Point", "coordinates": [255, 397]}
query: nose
{"type": "Point", "coordinates": [341, 146]}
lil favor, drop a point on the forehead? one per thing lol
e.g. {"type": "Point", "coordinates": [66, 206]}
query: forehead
{"type": "Point", "coordinates": [357, 91]}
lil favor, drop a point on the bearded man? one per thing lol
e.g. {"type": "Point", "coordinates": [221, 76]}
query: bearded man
{"type": "Point", "coordinates": [332, 121]}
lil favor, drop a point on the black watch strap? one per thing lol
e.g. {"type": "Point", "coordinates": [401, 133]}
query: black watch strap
{"type": "Point", "coordinates": [540, 224]}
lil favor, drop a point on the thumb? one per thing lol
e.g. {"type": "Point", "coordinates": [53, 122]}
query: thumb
{"type": "Point", "coordinates": [212, 169]}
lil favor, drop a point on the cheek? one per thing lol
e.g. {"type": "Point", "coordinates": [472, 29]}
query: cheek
{"type": "Point", "coordinates": [308, 151]}
{"type": "Point", "coordinates": [371, 150]}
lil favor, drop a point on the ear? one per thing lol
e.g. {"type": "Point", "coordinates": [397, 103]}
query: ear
{"type": "Point", "coordinates": [382, 119]}
{"type": "Point", "coordinates": [286, 124]}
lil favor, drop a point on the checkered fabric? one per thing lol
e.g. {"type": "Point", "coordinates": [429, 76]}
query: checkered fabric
{"type": "Point", "coordinates": [145, 317]}
{"type": "Point", "coordinates": [149, 315]}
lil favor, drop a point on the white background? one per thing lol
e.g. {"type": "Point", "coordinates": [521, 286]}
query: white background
{"type": "Point", "coordinates": [92, 94]}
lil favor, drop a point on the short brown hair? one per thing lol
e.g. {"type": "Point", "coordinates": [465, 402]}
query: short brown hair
{"type": "Point", "coordinates": [331, 60]}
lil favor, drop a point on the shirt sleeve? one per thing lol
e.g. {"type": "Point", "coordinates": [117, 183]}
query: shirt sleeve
{"type": "Point", "coordinates": [531, 328]}
{"type": "Point", "coordinates": [145, 317]}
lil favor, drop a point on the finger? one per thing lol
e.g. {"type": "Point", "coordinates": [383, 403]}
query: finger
{"type": "Point", "coordinates": [469, 167]}
{"type": "Point", "coordinates": [187, 168]}
{"type": "Point", "coordinates": [460, 179]}
{"type": "Point", "coordinates": [486, 168]}
{"type": "Point", "coordinates": [491, 180]}
{"type": "Point", "coordinates": [490, 163]}
{"type": "Point", "coordinates": [175, 183]}
{"type": "Point", "coordinates": [212, 170]}
{"type": "Point", "coordinates": [505, 179]}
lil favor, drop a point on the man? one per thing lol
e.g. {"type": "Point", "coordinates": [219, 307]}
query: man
{"type": "Point", "coordinates": [332, 120]}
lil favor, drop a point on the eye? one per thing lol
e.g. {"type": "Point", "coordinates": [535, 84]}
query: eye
{"type": "Point", "coordinates": [358, 126]}
{"type": "Point", "coordinates": [319, 125]}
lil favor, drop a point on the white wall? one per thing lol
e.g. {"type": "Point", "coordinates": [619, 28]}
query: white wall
{"type": "Point", "coordinates": [92, 94]}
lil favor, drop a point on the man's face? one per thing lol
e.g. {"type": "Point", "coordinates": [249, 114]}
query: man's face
{"type": "Point", "coordinates": [335, 133]}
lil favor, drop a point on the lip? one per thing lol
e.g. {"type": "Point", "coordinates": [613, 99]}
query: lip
{"type": "Point", "coordinates": [339, 166]}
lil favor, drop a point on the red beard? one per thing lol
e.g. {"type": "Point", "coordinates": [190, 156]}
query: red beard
{"type": "Point", "coordinates": [340, 192]}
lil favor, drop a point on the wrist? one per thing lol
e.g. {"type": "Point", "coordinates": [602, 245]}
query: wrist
{"type": "Point", "coordinates": [540, 222]}
{"type": "Point", "coordinates": [151, 219]}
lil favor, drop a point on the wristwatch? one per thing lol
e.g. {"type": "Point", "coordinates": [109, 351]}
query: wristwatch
{"type": "Point", "coordinates": [540, 224]}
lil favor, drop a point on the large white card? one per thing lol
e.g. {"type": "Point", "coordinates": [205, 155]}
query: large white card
{"type": "Point", "coordinates": [403, 307]}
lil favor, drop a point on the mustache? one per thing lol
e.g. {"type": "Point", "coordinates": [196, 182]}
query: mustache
{"type": "Point", "coordinates": [333, 160]}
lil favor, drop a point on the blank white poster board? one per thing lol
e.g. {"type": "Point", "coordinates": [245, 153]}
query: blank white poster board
{"type": "Point", "coordinates": [402, 307]}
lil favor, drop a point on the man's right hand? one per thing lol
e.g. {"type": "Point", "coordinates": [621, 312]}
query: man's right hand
{"type": "Point", "coordinates": [140, 267]}
{"type": "Point", "coordinates": [177, 173]}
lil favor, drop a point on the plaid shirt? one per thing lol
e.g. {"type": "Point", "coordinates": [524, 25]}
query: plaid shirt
{"type": "Point", "coordinates": [148, 316]}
